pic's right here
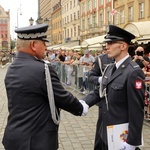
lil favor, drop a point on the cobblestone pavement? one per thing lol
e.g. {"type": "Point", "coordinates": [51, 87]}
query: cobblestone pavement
{"type": "Point", "coordinates": [75, 132]}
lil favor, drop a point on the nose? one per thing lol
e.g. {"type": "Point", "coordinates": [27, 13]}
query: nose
{"type": "Point", "coordinates": [107, 47]}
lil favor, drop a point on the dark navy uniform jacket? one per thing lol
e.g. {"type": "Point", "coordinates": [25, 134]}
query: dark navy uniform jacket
{"type": "Point", "coordinates": [30, 125]}
{"type": "Point", "coordinates": [125, 95]}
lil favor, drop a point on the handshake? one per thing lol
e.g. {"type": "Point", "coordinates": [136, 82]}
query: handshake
{"type": "Point", "coordinates": [85, 107]}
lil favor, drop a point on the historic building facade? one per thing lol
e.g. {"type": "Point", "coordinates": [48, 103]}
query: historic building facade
{"type": "Point", "coordinates": [77, 20]}
{"type": "Point", "coordinates": [95, 17]}
{"type": "Point", "coordinates": [45, 11]}
{"type": "Point", "coordinates": [134, 16]}
{"type": "Point", "coordinates": [56, 22]}
{"type": "Point", "coordinates": [4, 29]}
{"type": "Point", "coordinates": [70, 21]}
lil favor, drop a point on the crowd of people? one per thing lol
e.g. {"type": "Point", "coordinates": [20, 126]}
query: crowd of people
{"type": "Point", "coordinates": [76, 63]}
{"type": "Point", "coordinates": [86, 60]}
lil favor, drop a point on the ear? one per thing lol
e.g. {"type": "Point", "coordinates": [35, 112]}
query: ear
{"type": "Point", "coordinates": [32, 45]}
{"type": "Point", "coordinates": [123, 46]}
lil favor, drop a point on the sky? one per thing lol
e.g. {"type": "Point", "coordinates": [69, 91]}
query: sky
{"type": "Point", "coordinates": [28, 9]}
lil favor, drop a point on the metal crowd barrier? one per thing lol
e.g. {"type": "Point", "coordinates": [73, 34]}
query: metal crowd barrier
{"type": "Point", "coordinates": [76, 77]}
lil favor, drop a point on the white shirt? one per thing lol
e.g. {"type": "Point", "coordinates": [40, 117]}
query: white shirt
{"type": "Point", "coordinates": [117, 66]}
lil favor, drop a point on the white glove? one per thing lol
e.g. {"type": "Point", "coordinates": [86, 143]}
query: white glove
{"type": "Point", "coordinates": [85, 107]}
{"type": "Point", "coordinates": [127, 146]}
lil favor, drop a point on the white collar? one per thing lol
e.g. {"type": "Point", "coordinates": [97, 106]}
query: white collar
{"type": "Point", "coordinates": [121, 61]}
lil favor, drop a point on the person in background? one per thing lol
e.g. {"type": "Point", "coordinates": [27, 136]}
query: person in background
{"type": "Point", "coordinates": [86, 61]}
{"type": "Point", "coordinates": [76, 69]}
{"type": "Point", "coordinates": [50, 56]}
{"type": "Point", "coordinates": [95, 73]}
{"type": "Point", "coordinates": [35, 95]}
{"type": "Point", "coordinates": [140, 58]}
{"type": "Point", "coordinates": [68, 67]}
{"type": "Point", "coordinates": [62, 56]}
{"type": "Point", "coordinates": [122, 91]}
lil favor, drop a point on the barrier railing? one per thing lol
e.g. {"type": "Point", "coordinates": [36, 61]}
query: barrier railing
{"type": "Point", "coordinates": [77, 82]}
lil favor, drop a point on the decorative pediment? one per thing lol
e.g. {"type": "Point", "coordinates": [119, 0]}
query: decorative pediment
{"type": "Point", "coordinates": [3, 13]}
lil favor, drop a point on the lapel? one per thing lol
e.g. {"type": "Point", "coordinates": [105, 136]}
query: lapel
{"type": "Point", "coordinates": [119, 71]}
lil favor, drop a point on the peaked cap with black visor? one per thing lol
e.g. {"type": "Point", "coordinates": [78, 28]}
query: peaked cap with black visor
{"type": "Point", "coordinates": [115, 33]}
{"type": "Point", "coordinates": [34, 32]}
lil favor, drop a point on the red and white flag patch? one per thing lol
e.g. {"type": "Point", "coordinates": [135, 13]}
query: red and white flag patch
{"type": "Point", "coordinates": [138, 84]}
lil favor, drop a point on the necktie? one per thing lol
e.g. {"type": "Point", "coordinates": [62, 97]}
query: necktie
{"type": "Point", "coordinates": [114, 68]}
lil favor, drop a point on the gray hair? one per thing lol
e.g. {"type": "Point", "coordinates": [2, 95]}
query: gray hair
{"type": "Point", "coordinates": [23, 44]}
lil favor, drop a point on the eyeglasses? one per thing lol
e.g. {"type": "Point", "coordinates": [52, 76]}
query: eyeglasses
{"type": "Point", "coordinates": [113, 42]}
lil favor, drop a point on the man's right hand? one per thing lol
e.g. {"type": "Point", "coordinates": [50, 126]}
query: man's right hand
{"type": "Point", "coordinates": [85, 107]}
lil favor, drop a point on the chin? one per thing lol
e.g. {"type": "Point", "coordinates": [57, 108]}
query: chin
{"type": "Point", "coordinates": [109, 55]}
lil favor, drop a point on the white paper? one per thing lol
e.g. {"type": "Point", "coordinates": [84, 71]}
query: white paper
{"type": "Point", "coordinates": [116, 135]}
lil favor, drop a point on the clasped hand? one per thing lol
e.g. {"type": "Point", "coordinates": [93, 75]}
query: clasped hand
{"type": "Point", "coordinates": [85, 107]}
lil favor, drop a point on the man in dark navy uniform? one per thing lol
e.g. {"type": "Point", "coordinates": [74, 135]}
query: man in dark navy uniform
{"type": "Point", "coordinates": [122, 90]}
{"type": "Point", "coordinates": [34, 98]}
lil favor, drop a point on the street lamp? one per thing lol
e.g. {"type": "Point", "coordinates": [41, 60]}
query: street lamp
{"type": "Point", "coordinates": [46, 20]}
{"type": "Point", "coordinates": [18, 10]}
{"type": "Point", "coordinates": [31, 20]}
{"type": "Point", "coordinates": [38, 21]}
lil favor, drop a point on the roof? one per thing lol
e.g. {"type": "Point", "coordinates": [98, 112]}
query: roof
{"type": "Point", "coordinates": [92, 41]}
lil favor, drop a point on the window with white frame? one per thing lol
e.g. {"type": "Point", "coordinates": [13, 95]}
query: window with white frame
{"type": "Point", "coordinates": [101, 20]}
{"type": "Point", "coordinates": [88, 5]}
{"type": "Point", "coordinates": [71, 33]}
{"type": "Point", "coordinates": [74, 16]}
{"type": "Point", "coordinates": [78, 14]}
{"type": "Point", "coordinates": [101, 2]}
{"type": "Point", "coordinates": [70, 17]}
{"type": "Point", "coordinates": [63, 34]}
{"type": "Point", "coordinates": [88, 20]}
{"type": "Point", "coordinates": [78, 30]}
{"type": "Point", "coordinates": [67, 19]}
{"type": "Point", "coordinates": [83, 25]}
{"type": "Point", "coordinates": [74, 3]}
{"type": "Point", "coordinates": [108, 17]}
{"type": "Point", "coordinates": [131, 13]}
{"type": "Point", "coordinates": [94, 3]}
{"type": "Point", "coordinates": [74, 31]}
{"type": "Point", "coordinates": [116, 18]}
{"type": "Point", "coordinates": [67, 32]}
{"type": "Point", "coordinates": [83, 8]}
{"type": "Point", "coordinates": [70, 4]}
{"type": "Point", "coordinates": [67, 6]}
{"type": "Point", "coordinates": [122, 16]}
{"type": "Point", "coordinates": [141, 10]}
{"type": "Point", "coordinates": [94, 20]}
